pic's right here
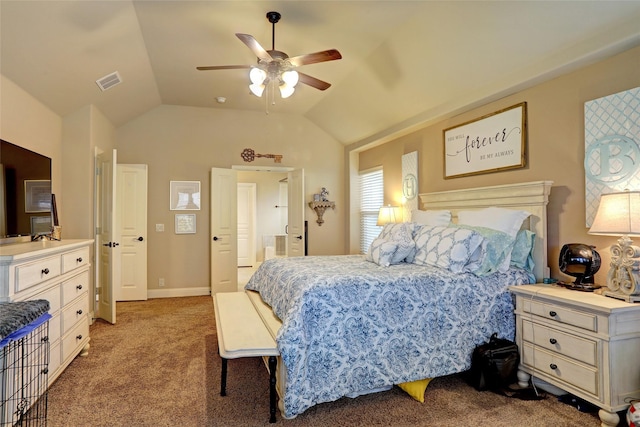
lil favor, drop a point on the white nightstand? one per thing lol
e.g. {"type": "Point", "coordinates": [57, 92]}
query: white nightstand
{"type": "Point", "coordinates": [581, 342]}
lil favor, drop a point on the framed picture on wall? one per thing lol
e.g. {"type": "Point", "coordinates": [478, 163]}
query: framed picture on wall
{"type": "Point", "coordinates": [185, 223]}
{"type": "Point", "coordinates": [491, 143]}
{"type": "Point", "coordinates": [184, 195]}
{"type": "Point", "coordinates": [37, 196]}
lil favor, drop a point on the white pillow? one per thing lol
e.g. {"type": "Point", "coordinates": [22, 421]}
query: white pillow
{"type": "Point", "coordinates": [431, 217]}
{"type": "Point", "coordinates": [506, 220]}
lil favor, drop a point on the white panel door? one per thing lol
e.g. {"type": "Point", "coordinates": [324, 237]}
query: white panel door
{"type": "Point", "coordinates": [295, 211]}
{"type": "Point", "coordinates": [131, 226]}
{"type": "Point", "coordinates": [108, 264]}
{"type": "Point", "coordinates": [224, 235]}
{"type": "Point", "coordinates": [246, 224]}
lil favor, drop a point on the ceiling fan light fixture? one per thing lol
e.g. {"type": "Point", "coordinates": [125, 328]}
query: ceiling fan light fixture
{"type": "Point", "coordinates": [286, 90]}
{"type": "Point", "coordinates": [290, 77]}
{"type": "Point", "coordinates": [257, 76]}
{"type": "Point", "coordinates": [257, 89]}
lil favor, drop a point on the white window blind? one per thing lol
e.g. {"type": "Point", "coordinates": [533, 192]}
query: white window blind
{"type": "Point", "coordinates": [371, 198]}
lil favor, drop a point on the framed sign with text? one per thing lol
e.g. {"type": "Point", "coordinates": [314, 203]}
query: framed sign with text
{"type": "Point", "coordinates": [490, 143]}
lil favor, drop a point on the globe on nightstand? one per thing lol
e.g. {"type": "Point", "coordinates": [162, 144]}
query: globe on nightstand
{"type": "Point", "coordinates": [582, 262]}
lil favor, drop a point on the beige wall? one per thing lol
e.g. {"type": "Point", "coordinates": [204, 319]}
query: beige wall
{"type": "Point", "coordinates": [24, 121]}
{"type": "Point", "coordinates": [555, 149]}
{"type": "Point", "coordinates": [184, 143]}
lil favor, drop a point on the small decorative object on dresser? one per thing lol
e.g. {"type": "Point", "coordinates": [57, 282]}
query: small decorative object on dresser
{"type": "Point", "coordinates": [619, 215]}
{"type": "Point", "coordinates": [581, 342]}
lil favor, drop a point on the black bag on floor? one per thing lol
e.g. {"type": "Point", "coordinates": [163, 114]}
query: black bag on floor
{"type": "Point", "coordinates": [494, 365]}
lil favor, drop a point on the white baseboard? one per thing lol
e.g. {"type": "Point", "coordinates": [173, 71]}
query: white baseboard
{"type": "Point", "coordinates": [177, 292]}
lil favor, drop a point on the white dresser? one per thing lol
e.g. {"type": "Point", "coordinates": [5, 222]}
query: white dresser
{"type": "Point", "coordinates": [57, 271]}
{"type": "Point", "coordinates": [581, 342]}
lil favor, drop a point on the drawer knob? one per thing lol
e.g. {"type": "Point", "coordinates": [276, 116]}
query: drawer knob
{"type": "Point", "coordinates": [79, 337]}
{"type": "Point", "coordinates": [79, 311]}
{"type": "Point", "coordinates": [79, 259]}
{"type": "Point", "coordinates": [45, 339]}
{"type": "Point", "coordinates": [45, 271]}
{"type": "Point", "coordinates": [553, 366]}
{"type": "Point", "coordinates": [553, 341]}
{"type": "Point", "coordinates": [45, 371]}
{"type": "Point", "coordinates": [79, 287]}
{"type": "Point", "coordinates": [553, 313]}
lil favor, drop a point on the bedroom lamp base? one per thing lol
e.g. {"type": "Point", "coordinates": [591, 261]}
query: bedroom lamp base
{"type": "Point", "coordinates": [623, 277]}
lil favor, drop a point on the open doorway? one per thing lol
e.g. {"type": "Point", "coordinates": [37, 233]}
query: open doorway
{"type": "Point", "coordinates": [262, 222]}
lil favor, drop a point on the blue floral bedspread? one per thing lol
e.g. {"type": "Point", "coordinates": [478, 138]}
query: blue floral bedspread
{"type": "Point", "coordinates": [349, 325]}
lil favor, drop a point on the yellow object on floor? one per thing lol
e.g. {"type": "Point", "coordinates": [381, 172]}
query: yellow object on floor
{"type": "Point", "coordinates": [416, 389]}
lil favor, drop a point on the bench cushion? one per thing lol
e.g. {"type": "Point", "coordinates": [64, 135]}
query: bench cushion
{"type": "Point", "coordinates": [241, 331]}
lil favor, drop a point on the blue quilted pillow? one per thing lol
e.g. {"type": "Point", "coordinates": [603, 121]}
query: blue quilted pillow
{"type": "Point", "coordinates": [447, 247]}
{"type": "Point", "coordinates": [522, 253]}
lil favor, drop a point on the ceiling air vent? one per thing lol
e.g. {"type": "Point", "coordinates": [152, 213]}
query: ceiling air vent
{"type": "Point", "coordinates": [109, 81]}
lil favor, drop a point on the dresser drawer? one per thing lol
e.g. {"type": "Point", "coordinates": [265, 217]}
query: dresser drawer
{"type": "Point", "coordinates": [72, 341]}
{"type": "Point", "coordinates": [582, 349]}
{"type": "Point", "coordinates": [75, 259]}
{"type": "Point", "coordinates": [54, 328]}
{"type": "Point", "coordinates": [74, 312]}
{"type": "Point", "coordinates": [54, 359]}
{"type": "Point", "coordinates": [31, 274]}
{"type": "Point", "coordinates": [564, 369]}
{"type": "Point", "coordinates": [53, 296]}
{"type": "Point", "coordinates": [579, 319]}
{"type": "Point", "coordinates": [74, 287]}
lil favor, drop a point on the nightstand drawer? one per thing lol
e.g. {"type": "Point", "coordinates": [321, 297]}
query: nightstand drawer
{"type": "Point", "coordinates": [582, 349]}
{"type": "Point", "coordinates": [579, 319]}
{"type": "Point", "coordinates": [564, 369]}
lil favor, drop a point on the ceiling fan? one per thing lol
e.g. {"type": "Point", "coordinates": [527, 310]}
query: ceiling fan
{"type": "Point", "coordinates": [276, 67]}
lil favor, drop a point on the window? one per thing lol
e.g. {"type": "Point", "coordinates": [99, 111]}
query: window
{"type": "Point", "coordinates": [371, 198]}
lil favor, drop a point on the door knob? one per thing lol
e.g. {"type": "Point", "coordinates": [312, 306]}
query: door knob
{"type": "Point", "coordinates": [215, 238]}
{"type": "Point", "coordinates": [140, 239]}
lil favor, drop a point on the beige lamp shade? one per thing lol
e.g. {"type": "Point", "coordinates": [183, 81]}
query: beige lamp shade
{"type": "Point", "coordinates": [389, 214]}
{"type": "Point", "coordinates": [618, 214]}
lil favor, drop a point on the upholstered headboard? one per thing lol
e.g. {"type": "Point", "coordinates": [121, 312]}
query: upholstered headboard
{"type": "Point", "coordinates": [527, 196]}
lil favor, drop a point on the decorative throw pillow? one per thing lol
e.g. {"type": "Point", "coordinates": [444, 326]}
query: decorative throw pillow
{"type": "Point", "coordinates": [431, 217]}
{"type": "Point", "coordinates": [401, 233]}
{"type": "Point", "coordinates": [495, 252]}
{"type": "Point", "coordinates": [522, 253]}
{"type": "Point", "coordinates": [381, 252]}
{"type": "Point", "coordinates": [416, 389]}
{"type": "Point", "coordinates": [506, 220]}
{"type": "Point", "coordinates": [451, 248]}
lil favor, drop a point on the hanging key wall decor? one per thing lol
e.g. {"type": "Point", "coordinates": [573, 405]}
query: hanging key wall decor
{"type": "Point", "coordinates": [248, 155]}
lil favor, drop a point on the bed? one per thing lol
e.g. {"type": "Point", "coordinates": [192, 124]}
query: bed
{"type": "Point", "coordinates": [353, 324]}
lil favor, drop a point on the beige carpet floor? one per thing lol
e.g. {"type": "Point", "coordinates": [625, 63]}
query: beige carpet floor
{"type": "Point", "coordinates": [158, 366]}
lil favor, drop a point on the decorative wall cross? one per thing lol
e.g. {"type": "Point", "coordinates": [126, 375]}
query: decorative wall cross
{"type": "Point", "coordinates": [248, 155]}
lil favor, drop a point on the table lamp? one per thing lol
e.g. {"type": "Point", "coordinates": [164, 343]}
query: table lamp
{"type": "Point", "coordinates": [619, 215]}
{"type": "Point", "coordinates": [389, 214]}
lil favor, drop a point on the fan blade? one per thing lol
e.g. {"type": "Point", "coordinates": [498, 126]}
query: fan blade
{"type": "Point", "coordinates": [312, 81]}
{"type": "Point", "coordinates": [224, 67]}
{"type": "Point", "coordinates": [254, 46]}
{"type": "Point", "coordinates": [312, 58]}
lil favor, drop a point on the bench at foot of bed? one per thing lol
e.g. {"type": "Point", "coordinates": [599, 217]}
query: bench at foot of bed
{"type": "Point", "coordinates": [242, 333]}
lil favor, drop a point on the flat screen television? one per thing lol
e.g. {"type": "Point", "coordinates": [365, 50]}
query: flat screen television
{"type": "Point", "coordinates": [25, 193]}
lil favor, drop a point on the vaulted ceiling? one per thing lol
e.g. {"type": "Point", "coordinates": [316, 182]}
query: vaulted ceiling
{"type": "Point", "coordinates": [405, 63]}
